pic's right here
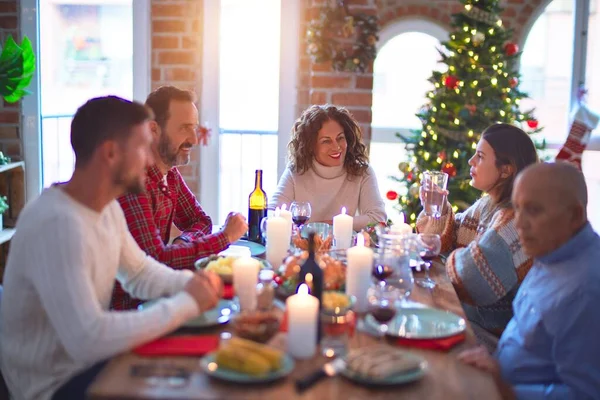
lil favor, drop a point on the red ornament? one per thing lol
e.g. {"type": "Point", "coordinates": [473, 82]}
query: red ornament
{"type": "Point", "coordinates": [513, 82]}
{"type": "Point", "coordinates": [278, 280]}
{"type": "Point", "coordinates": [409, 177]}
{"type": "Point", "coordinates": [450, 169]}
{"type": "Point", "coordinates": [391, 195]}
{"type": "Point", "coordinates": [451, 82]}
{"type": "Point", "coordinates": [532, 123]}
{"type": "Point", "coordinates": [442, 155]}
{"type": "Point", "coordinates": [511, 49]}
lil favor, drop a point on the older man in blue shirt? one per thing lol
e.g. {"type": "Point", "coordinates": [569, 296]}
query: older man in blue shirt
{"type": "Point", "coordinates": [551, 347]}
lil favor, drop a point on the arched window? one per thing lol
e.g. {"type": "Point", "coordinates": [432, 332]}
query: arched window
{"type": "Point", "coordinates": [552, 67]}
{"type": "Point", "coordinates": [405, 61]}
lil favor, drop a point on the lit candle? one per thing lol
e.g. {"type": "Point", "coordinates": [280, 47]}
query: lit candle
{"type": "Point", "coordinates": [358, 273]}
{"type": "Point", "coordinates": [400, 227]}
{"type": "Point", "coordinates": [303, 313]}
{"type": "Point", "coordinates": [342, 230]}
{"type": "Point", "coordinates": [285, 213]}
{"type": "Point", "coordinates": [245, 278]}
{"type": "Point", "coordinates": [278, 239]}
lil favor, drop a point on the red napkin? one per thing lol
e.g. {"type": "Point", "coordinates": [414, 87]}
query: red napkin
{"type": "Point", "coordinates": [228, 291]}
{"type": "Point", "coordinates": [185, 345]}
{"type": "Point", "coordinates": [444, 344]}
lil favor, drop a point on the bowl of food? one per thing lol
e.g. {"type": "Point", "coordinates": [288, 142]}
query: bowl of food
{"type": "Point", "coordinates": [222, 265]}
{"type": "Point", "coordinates": [257, 325]}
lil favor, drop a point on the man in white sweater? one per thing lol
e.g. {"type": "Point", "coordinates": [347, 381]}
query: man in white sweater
{"type": "Point", "coordinates": [71, 242]}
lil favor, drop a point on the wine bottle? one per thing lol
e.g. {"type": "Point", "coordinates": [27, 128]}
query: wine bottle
{"type": "Point", "coordinates": [257, 209]}
{"type": "Point", "coordinates": [312, 275]}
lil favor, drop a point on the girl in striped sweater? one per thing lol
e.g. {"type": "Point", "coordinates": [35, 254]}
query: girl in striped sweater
{"type": "Point", "coordinates": [486, 264]}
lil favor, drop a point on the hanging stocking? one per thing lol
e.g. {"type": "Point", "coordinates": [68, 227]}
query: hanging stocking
{"type": "Point", "coordinates": [584, 122]}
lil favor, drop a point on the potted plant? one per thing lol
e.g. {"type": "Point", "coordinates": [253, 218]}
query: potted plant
{"type": "Point", "coordinates": [17, 64]}
{"type": "Point", "coordinates": [3, 209]}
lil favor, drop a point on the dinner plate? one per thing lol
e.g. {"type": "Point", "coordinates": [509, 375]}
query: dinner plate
{"type": "Point", "coordinates": [396, 379]}
{"type": "Point", "coordinates": [211, 368]}
{"type": "Point", "coordinates": [221, 314]}
{"type": "Point", "coordinates": [256, 249]}
{"type": "Point", "coordinates": [227, 278]}
{"type": "Point", "coordinates": [422, 323]}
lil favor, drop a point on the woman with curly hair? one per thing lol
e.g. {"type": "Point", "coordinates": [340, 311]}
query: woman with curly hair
{"type": "Point", "coordinates": [329, 167]}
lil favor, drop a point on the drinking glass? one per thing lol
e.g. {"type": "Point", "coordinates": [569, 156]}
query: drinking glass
{"type": "Point", "coordinates": [382, 305]}
{"type": "Point", "coordinates": [433, 192]}
{"type": "Point", "coordinates": [430, 245]}
{"type": "Point", "coordinates": [301, 212]}
{"type": "Point", "coordinates": [391, 261]}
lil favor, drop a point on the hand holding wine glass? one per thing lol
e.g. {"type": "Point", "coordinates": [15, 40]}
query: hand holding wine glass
{"type": "Point", "coordinates": [430, 245]}
{"type": "Point", "coordinates": [301, 212]}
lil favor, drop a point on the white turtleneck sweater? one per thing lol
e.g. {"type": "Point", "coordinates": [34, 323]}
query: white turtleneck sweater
{"type": "Point", "coordinates": [328, 189]}
{"type": "Point", "coordinates": [59, 279]}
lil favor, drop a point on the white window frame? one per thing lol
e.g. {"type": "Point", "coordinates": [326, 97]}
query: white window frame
{"type": "Point", "coordinates": [288, 77]}
{"type": "Point", "coordinates": [405, 25]}
{"type": "Point", "coordinates": [581, 18]}
{"type": "Point", "coordinates": [31, 110]}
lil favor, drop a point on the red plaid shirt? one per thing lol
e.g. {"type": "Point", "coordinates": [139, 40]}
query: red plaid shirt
{"type": "Point", "coordinates": [149, 217]}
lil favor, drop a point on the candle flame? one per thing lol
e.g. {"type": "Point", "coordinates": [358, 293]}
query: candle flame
{"type": "Point", "coordinates": [303, 289]}
{"type": "Point", "coordinates": [277, 211]}
{"type": "Point", "coordinates": [360, 240]}
{"type": "Point", "coordinates": [283, 207]}
{"type": "Point", "coordinates": [343, 210]}
{"type": "Point", "coordinates": [308, 278]}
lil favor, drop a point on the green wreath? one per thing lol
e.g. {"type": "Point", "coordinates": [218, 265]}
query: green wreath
{"type": "Point", "coordinates": [347, 40]}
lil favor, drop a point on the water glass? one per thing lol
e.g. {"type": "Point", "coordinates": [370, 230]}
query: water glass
{"type": "Point", "coordinates": [336, 327]}
{"type": "Point", "coordinates": [433, 192]}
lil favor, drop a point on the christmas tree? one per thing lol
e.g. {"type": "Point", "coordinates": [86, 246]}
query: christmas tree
{"type": "Point", "coordinates": [479, 88]}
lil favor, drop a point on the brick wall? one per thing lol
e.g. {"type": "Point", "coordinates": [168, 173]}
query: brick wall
{"type": "Point", "coordinates": [319, 84]}
{"type": "Point", "coordinates": [10, 114]}
{"type": "Point", "coordinates": [177, 57]}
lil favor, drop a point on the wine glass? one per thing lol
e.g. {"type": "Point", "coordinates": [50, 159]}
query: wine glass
{"type": "Point", "coordinates": [301, 212]}
{"type": "Point", "coordinates": [430, 245]}
{"type": "Point", "coordinates": [382, 305]}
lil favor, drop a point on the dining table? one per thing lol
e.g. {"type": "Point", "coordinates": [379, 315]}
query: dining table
{"type": "Point", "coordinates": [445, 377]}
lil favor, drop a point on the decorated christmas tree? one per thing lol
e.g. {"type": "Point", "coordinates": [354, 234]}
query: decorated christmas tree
{"type": "Point", "coordinates": [479, 87]}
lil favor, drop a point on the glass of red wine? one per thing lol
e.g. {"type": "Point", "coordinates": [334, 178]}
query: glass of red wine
{"type": "Point", "coordinates": [300, 213]}
{"type": "Point", "coordinates": [382, 305]}
{"type": "Point", "coordinates": [430, 245]}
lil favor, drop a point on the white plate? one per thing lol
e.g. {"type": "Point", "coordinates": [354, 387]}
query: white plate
{"type": "Point", "coordinates": [221, 314]}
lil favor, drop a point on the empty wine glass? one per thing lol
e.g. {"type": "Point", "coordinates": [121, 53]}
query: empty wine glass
{"type": "Point", "coordinates": [430, 245]}
{"type": "Point", "coordinates": [382, 305]}
{"type": "Point", "coordinates": [301, 212]}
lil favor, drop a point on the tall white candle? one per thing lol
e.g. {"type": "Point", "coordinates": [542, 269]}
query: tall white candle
{"type": "Point", "coordinates": [342, 230]}
{"type": "Point", "coordinates": [303, 312]}
{"type": "Point", "coordinates": [278, 239]}
{"type": "Point", "coordinates": [358, 273]}
{"type": "Point", "coordinates": [245, 278]}
{"type": "Point", "coordinates": [285, 213]}
{"type": "Point", "coordinates": [400, 227]}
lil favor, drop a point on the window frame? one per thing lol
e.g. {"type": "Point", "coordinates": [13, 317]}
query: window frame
{"type": "Point", "coordinates": [31, 121]}
{"type": "Point", "coordinates": [289, 60]}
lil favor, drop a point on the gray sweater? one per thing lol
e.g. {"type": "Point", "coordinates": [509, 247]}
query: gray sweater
{"type": "Point", "coordinates": [328, 189]}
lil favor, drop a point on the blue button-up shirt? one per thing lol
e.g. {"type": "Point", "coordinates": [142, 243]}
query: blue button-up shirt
{"type": "Point", "coordinates": [551, 347]}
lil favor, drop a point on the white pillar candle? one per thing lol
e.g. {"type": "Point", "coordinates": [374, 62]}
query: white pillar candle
{"type": "Point", "coordinates": [358, 273]}
{"type": "Point", "coordinates": [245, 278]}
{"type": "Point", "coordinates": [303, 313]}
{"type": "Point", "coordinates": [288, 217]}
{"type": "Point", "coordinates": [342, 230]}
{"type": "Point", "coordinates": [400, 227]}
{"type": "Point", "coordinates": [278, 239]}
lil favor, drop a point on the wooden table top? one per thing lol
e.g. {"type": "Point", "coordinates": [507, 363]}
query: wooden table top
{"type": "Point", "coordinates": [446, 378]}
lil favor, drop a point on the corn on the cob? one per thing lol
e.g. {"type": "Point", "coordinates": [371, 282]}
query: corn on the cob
{"type": "Point", "coordinates": [272, 355]}
{"type": "Point", "coordinates": [242, 360]}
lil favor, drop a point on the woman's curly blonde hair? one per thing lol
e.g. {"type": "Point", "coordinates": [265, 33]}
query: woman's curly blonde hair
{"type": "Point", "coordinates": [301, 148]}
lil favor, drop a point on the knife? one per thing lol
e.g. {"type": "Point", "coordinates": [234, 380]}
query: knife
{"type": "Point", "coordinates": [329, 369]}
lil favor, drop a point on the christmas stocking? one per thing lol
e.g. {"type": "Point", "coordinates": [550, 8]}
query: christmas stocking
{"type": "Point", "coordinates": [584, 122]}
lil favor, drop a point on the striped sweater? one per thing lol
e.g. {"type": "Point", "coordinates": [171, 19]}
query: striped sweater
{"type": "Point", "coordinates": [486, 264]}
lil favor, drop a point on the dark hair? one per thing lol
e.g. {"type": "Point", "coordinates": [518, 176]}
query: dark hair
{"type": "Point", "coordinates": [301, 148]}
{"type": "Point", "coordinates": [101, 119]}
{"type": "Point", "coordinates": [160, 100]}
{"type": "Point", "coordinates": [512, 146]}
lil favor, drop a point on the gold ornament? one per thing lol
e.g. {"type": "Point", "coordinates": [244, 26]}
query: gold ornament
{"type": "Point", "coordinates": [348, 28]}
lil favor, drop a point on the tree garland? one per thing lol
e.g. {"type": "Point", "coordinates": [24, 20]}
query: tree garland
{"type": "Point", "coordinates": [347, 40]}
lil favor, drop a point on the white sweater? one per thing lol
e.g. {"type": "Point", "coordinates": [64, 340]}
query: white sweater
{"type": "Point", "coordinates": [58, 283]}
{"type": "Point", "coordinates": [328, 189]}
